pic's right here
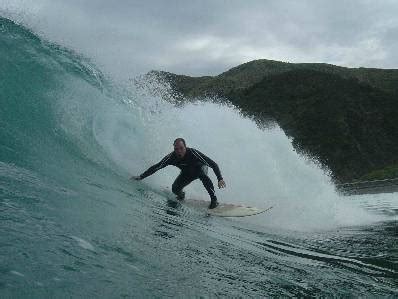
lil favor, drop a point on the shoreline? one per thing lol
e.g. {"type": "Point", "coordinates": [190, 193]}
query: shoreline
{"type": "Point", "coordinates": [368, 187]}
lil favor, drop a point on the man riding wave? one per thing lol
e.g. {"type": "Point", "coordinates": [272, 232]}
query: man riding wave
{"type": "Point", "coordinates": [193, 164]}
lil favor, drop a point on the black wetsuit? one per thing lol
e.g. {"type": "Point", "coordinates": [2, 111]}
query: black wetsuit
{"type": "Point", "coordinates": [193, 166]}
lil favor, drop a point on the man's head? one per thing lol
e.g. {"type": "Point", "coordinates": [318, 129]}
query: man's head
{"type": "Point", "coordinates": [180, 147]}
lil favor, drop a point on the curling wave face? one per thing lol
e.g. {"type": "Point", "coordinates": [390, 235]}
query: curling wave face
{"type": "Point", "coordinates": [75, 226]}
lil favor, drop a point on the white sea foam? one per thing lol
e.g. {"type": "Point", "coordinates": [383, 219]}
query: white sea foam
{"type": "Point", "coordinates": [17, 273]}
{"type": "Point", "coordinates": [260, 167]}
{"type": "Point", "coordinates": [83, 243]}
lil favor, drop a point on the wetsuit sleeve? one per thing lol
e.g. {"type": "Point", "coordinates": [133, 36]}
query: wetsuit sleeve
{"type": "Point", "coordinates": [163, 163]}
{"type": "Point", "coordinates": [209, 162]}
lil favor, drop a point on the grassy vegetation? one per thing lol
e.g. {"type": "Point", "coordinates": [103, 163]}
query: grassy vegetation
{"type": "Point", "coordinates": [350, 127]}
{"type": "Point", "coordinates": [389, 172]}
{"type": "Point", "coordinates": [247, 74]}
{"type": "Point", "coordinates": [345, 118]}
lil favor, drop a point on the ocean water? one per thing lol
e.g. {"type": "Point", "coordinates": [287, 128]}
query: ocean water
{"type": "Point", "coordinates": [73, 225]}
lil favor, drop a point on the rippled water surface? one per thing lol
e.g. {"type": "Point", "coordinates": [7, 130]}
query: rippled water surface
{"type": "Point", "coordinates": [73, 225]}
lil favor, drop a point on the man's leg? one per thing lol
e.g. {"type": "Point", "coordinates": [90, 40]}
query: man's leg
{"type": "Point", "coordinates": [180, 182]}
{"type": "Point", "coordinates": [208, 184]}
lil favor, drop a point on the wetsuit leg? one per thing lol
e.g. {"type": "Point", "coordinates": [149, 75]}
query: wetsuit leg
{"type": "Point", "coordinates": [207, 183]}
{"type": "Point", "coordinates": [180, 182]}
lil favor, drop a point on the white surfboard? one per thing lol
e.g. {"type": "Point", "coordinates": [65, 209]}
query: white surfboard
{"type": "Point", "coordinates": [222, 210]}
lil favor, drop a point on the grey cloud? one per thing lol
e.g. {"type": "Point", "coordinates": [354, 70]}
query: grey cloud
{"type": "Point", "coordinates": [207, 37]}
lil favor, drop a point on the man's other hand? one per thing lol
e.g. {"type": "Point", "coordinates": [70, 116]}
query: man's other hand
{"type": "Point", "coordinates": [221, 184]}
{"type": "Point", "coordinates": [136, 178]}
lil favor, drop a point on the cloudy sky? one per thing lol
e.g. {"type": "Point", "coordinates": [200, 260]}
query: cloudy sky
{"type": "Point", "coordinates": [201, 37]}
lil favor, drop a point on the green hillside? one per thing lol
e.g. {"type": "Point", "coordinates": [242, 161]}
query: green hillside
{"type": "Point", "coordinates": [248, 74]}
{"type": "Point", "coordinates": [346, 118]}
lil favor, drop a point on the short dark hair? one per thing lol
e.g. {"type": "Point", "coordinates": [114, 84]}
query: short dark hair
{"type": "Point", "coordinates": [178, 140]}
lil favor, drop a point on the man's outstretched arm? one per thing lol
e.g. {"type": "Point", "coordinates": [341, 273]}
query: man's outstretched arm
{"type": "Point", "coordinates": [209, 162]}
{"type": "Point", "coordinates": [151, 170]}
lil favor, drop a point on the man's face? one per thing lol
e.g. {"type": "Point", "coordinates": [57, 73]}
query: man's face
{"type": "Point", "coordinates": [180, 149]}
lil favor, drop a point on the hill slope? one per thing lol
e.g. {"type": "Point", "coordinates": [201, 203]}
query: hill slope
{"type": "Point", "coordinates": [347, 118]}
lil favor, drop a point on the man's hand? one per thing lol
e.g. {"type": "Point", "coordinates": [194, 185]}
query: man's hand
{"type": "Point", "coordinates": [136, 178]}
{"type": "Point", "coordinates": [221, 184]}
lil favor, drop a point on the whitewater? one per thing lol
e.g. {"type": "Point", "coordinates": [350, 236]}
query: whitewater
{"type": "Point", "coordinates": [73, 225]}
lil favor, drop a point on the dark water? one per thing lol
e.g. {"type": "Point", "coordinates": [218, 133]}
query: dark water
{"type": "Point", "coordinates": [72, 225]}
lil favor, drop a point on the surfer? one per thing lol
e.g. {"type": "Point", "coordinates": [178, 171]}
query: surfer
{"type": "Point", "coordinates": [193, 164]}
